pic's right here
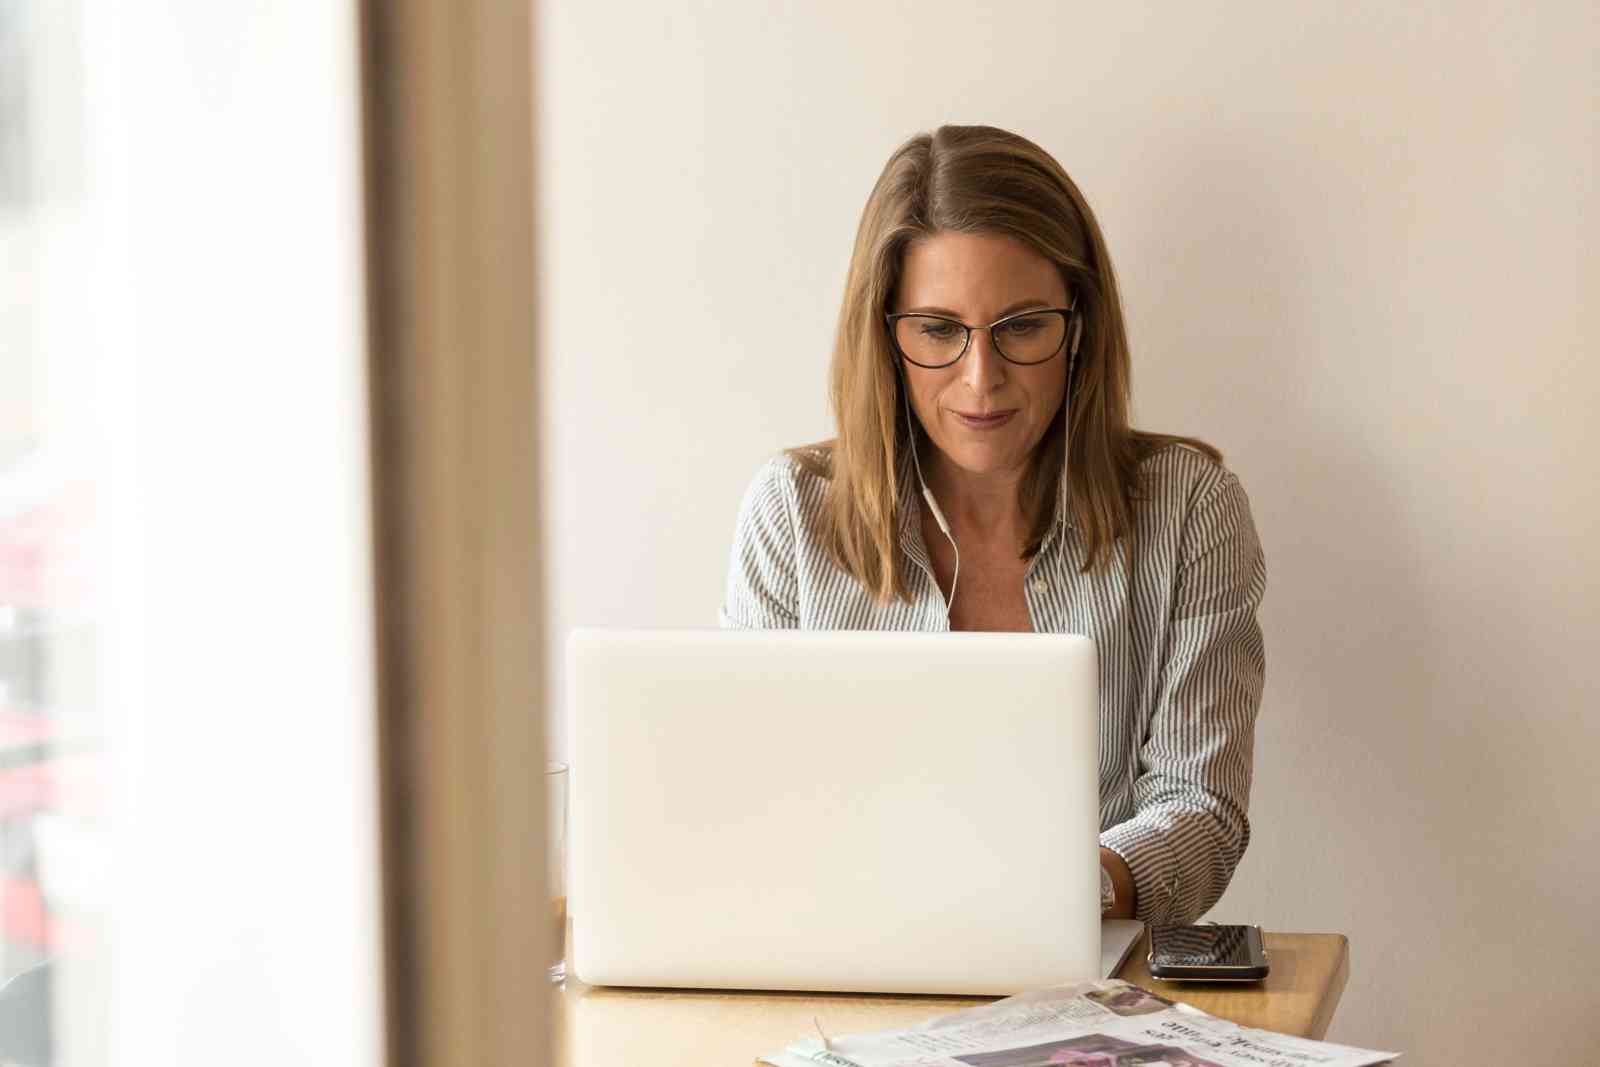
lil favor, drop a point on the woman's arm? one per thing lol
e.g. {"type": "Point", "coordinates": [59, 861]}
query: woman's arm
{"type": "Point", "coordinates": [1189, 828]}
{"type": "Point", "coordinates": [763, 586]}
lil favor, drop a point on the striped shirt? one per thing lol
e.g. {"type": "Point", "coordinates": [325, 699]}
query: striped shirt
{"type": "Point", "coordinates": [1181, 663]}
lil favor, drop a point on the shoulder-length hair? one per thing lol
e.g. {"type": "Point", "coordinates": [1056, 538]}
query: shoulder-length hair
{"type": "Point", "coordinates": [977, 179]}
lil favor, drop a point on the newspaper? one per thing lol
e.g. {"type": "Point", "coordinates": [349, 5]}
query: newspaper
{"type": "Point", "coordinates": [1093, 1024]}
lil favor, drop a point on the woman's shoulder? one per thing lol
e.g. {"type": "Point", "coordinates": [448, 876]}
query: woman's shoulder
{"type": "Point", "coordinates": [810, 462]}
{"type": "Point", "coordinates": [795, 478]}
{"type": "Point", "coordinates": [1191, 511]}
{"type": "Point", "coordinates": [1177, 475]}
{"type": "Point", "coordinates": [794, 469]}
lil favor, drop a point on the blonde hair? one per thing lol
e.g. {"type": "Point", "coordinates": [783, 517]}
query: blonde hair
{"type": "Point", "coordinates": [976, 179]}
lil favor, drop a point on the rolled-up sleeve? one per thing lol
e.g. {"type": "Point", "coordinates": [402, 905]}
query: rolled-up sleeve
{"type": "Point", "coordinates": [763, 590]}
{"type": "Point", "coordinates": [1192, 790]}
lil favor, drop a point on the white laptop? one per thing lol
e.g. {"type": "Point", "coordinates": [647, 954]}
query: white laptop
{"type": "Point", "coordinates": [845, 811]}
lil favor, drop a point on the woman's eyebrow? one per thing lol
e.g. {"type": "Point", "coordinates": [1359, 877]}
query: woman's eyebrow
{"type": "Point", "coordinates": [1020, 305]}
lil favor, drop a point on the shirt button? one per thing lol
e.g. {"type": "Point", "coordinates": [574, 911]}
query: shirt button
{"type": "Point", "coordinates": [1041, 586]}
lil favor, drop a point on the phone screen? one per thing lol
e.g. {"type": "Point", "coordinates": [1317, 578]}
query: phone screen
{"type": "Point", "coordinates": [1206, 946]}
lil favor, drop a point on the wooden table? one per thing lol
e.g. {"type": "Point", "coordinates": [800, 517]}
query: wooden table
{"type": "Point", "coordinates": [610, 1027]}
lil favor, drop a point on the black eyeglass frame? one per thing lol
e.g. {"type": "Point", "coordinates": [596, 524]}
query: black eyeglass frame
{"type": "Point", "coordinates": [1066, 313]}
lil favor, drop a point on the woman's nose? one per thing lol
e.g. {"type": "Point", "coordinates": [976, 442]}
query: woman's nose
{"type": "Point", "coordinates": [985, 369]}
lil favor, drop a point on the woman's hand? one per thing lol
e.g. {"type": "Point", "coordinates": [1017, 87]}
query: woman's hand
{"type": "Point", "coordinates": [1122, 881]}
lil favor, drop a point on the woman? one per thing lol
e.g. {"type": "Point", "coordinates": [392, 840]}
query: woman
{"type": "Point", "coordinates": [985, 477]}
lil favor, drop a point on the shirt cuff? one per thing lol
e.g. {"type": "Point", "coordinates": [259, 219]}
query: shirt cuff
{"type": "Point", "coordinates": [1153, 865]}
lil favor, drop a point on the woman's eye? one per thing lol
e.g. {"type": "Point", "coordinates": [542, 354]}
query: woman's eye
{"type": "Point", "coordinates": [939, 331]}
{"type": "Point", "coordinates": [1022, 327]}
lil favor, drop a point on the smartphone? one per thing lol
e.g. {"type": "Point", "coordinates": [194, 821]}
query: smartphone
{"type": "Point", "coordinates": [1209, 953]}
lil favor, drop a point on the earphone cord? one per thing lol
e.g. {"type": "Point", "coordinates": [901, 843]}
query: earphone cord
{"type": "Point", "coordinates": [927, 494]}
{"type": "Point", "coordinates": [1066, 443]}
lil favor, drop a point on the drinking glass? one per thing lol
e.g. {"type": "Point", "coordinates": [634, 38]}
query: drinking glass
{"type": "Point", "coordinates": [555, 777]}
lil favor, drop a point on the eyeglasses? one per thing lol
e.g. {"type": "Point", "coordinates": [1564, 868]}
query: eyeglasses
{"type": "Point", "coordinates": [1026, 338]}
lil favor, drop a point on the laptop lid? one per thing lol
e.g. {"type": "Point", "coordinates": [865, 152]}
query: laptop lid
{"type": "Point", "coordinates": [850, 811]}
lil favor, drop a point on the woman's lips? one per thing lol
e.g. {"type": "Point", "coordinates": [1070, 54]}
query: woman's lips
{"type": "Point", "coordinates": [984, 421]}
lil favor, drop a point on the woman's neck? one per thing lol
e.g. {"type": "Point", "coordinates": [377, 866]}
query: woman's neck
{"type": "Point", "coordinates": [987, 505]}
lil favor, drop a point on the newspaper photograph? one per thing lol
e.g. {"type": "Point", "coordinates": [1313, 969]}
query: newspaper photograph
{"type": "Point", "coordinates": [1092, 1024]}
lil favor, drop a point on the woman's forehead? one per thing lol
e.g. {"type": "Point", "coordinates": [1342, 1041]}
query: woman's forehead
{"type": "Point", "coordinates": [976, 274]}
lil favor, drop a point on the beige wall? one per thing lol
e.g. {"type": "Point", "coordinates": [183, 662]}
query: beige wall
{"type": "Point", "coordinates": [1355, 244]}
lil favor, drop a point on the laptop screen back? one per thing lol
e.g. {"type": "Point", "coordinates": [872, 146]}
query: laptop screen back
{"type": "Point", "coordinates": [869, 812]}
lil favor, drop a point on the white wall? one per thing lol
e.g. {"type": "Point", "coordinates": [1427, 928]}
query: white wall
{"type": "Point", "coordinates": [1355, 242]}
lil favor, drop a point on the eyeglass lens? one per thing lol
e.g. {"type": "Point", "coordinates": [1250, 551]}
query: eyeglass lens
{"type": "Point", "coordinates": [930, 341]}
